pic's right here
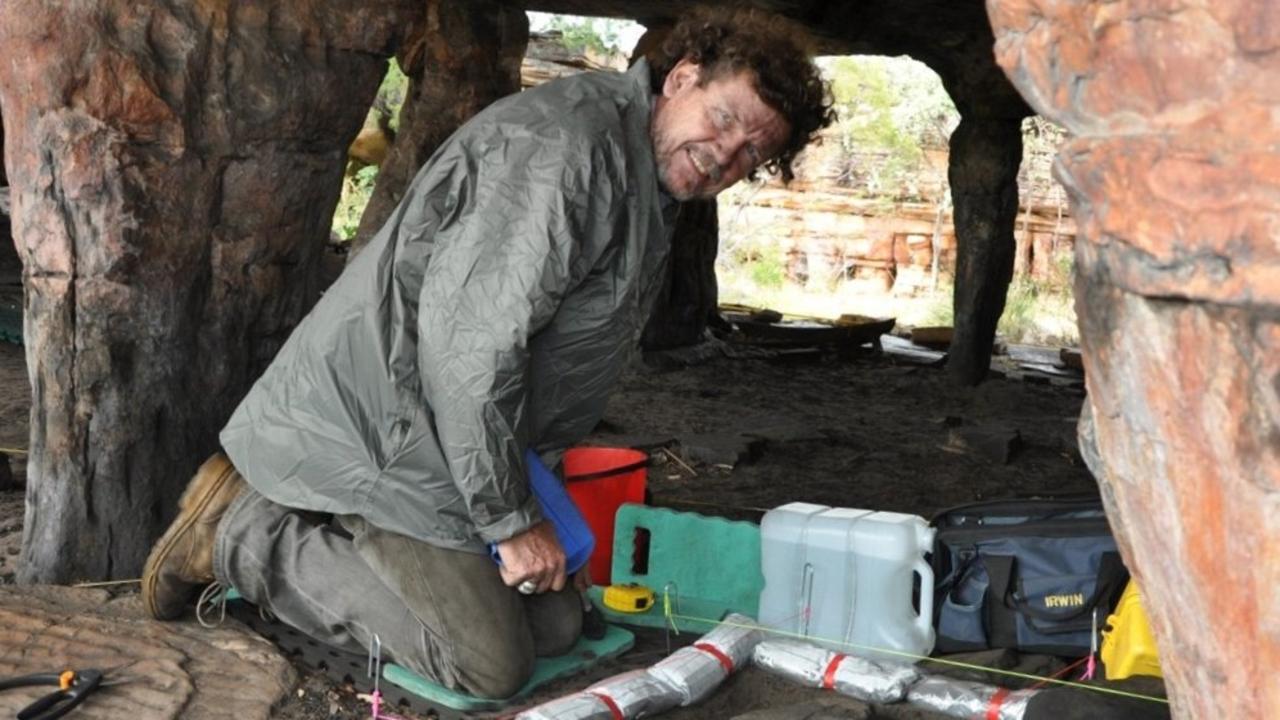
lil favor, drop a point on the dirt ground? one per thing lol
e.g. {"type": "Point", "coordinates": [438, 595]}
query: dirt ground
{"type": "Point", "coordinates": [743, 433]}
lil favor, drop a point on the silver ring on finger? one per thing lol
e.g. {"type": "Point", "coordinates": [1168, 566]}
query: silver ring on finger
{"type": "Point", "coordinates": [528, 587]}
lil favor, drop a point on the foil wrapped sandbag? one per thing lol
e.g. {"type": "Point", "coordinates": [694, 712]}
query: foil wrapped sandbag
{"type": "Point", "coordinates": [629, 695]}
{"type": "Point", "coordinates": [697, 670]}
{"type": "Point", "coordinates": [572, 707]}
{"type": "Point", "coordinates": [692, 673]}
{"type": "Point", "coordinates": [964, 699]}
{"type": "Point", "coordinates": [736, 637]}
{"type": "Point", "coordinates": [876, 681]}
{"type": "Point", "coordinates": [636, 694]}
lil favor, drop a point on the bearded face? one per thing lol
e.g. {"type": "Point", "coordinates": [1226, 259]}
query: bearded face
{"type": "Point", "coordinates": [707, 137]}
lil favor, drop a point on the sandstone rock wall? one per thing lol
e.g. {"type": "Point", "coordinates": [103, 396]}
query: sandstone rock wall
{"type": "Point", "coordinates": [1175, 184]}
{"type": "Point", "coordinates": [839, 234]}
{"type": "Point", "coordinates": [174, 167]}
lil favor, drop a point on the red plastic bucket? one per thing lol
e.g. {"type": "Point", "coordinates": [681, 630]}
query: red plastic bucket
{"type": "Point", "coordinates": [599, 480]}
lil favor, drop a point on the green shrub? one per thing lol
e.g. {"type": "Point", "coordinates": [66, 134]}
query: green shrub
{"type": "Point", "coordinates": [391, 95]}
{"type": "Point", "coordinates": [356, 189]}
{"type": "Point", "coordinates": [890, 111]}
{"type": "Point", "coordinates": [1040, 312]}
{"type": "Point", "coordinates": [1021, 306]}
{"type": "Point", "coordinates": [767, 271]}
{"type": "Point", "coordinates": [940, 309]}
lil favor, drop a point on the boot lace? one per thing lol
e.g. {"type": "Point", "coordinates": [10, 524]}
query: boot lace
{"type": "Point", "coordinates": [213, 598]}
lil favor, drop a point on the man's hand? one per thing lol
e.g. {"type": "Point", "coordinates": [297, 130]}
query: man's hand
{"type": "Point", "coordinates": [534, 555]}
{"type": "Point", "coordinates": [582, 579]}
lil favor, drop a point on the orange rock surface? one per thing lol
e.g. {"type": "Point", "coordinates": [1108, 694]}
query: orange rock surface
{"type": "Point", "coordinates": [1174, 175]}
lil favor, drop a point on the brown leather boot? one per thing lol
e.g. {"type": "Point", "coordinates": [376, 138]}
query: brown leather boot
{"type": "Point", "coordinates": [182, 559]}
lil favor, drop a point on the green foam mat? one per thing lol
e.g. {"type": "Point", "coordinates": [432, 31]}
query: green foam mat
{"type": "Point", "coordinates": [711, 564]}
{"type": "Point", "coordinates": [583, 655]}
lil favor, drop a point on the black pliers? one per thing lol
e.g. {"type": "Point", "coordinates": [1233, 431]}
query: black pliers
{"type": "Point", "coordinates": [73, 687]}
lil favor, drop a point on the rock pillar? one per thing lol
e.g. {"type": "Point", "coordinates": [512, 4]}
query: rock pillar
{"type": "Point", "coordinates": [174, 167]}
{"type": "Point", "coordinates": [983, 173]}
{"type": "Point", "coordinates": [1174, 179]}
{"type": "Point", "coordinates": [459, 59]}
{"type": "Point", "coordinates": [690, 292]}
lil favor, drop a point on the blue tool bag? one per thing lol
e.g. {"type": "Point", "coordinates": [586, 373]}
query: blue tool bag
{"type": "Point", "coordinates": [1028, 574]}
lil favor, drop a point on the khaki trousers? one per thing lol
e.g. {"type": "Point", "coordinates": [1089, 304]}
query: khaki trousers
{"type": "Point", "coordinates": [445, 614]}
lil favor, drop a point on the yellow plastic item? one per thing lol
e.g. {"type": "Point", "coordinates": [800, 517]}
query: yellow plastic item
{"type": "Point", "coordinates": [1128, 648]}
{"type": "Point", "coordinates": [628, 598]}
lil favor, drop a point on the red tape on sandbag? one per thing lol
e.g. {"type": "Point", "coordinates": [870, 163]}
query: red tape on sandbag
{"type": "Point", "coordinates": [713, 651]}
{"type": "Point", "coordinates": [829, 676]}
{"type": "Point", "coordinates": [609, 703]}
{"type": "Point", "coordinates": [993, 707]}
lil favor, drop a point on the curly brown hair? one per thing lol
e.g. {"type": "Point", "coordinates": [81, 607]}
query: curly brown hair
{"type": "Point", "coordinates": [725, 42]}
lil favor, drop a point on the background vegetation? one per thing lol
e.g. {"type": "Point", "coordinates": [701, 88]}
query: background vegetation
{"type": "Point", "coordinates": [891, 110]}
{"type": "Point", "coordinates": [580, 34]}
{"type": "Point", "coordinates": [358, 181]}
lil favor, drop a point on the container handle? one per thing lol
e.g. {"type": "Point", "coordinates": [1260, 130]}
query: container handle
{"type": "Point", "coordinates": [924, 621]}
{"type": "Point", "coordinates": [601, 474]}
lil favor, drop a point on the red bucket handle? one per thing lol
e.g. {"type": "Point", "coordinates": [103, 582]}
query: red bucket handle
{"type": "Point", "coordinates": [601, 474]}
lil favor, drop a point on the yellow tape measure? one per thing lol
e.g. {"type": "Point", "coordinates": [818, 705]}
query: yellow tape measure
{"type": "Point", "coordinates": [628, 598]}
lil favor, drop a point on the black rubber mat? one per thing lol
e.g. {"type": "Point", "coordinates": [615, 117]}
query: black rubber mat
{"type": "Point", "coordinates": [338, 665]}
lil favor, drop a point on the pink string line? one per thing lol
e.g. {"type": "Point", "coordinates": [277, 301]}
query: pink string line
{"type": "Point", "coordinates": [1058, 674]}
{"type": "Point", "coordinates": [1090, 668]}
{"type": "Point", "coordinates": [375, 699]}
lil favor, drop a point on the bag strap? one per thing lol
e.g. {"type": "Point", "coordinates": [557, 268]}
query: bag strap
{"type": "Point", "coordinates": [1111, 574]}
{"type": "Point", "coordinates": [1002, 625]}
{"type": "Point", "coordinates": [968, 558]}
{"type": "Point", "coordinates": [600, 474]}
{"type": "Point", "coordinates": [1089, 498]}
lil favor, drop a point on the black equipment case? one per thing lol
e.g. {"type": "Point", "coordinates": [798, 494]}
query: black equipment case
{"type": "Point", "coordinates": [1031, 574]}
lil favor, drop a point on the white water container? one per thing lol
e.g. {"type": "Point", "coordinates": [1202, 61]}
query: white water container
{"type": "Point", "coordinates": [843, 578]}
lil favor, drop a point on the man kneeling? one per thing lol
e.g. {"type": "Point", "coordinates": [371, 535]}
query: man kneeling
{"type": "Point", "coordinates": [380, 455]}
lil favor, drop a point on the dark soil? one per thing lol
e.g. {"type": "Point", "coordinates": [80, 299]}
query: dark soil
{"type": "Point", "coordinates": [861, 432]}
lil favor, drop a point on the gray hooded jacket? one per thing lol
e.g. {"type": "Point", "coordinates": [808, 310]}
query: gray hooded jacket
{"type": "Point", "coordinates": [493, 312]}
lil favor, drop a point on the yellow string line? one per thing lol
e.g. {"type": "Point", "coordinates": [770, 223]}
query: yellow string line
{"type": "Point", "coordinates": [941, 661]}
{"type": "Point", "coordinates": [105, 583]}
{"type": "Point", "coordinates": [13, 451]}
